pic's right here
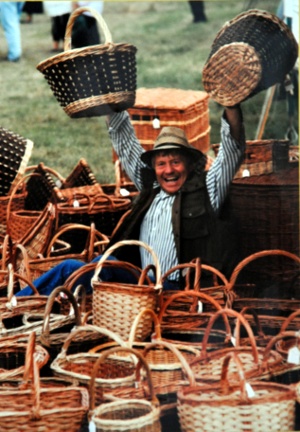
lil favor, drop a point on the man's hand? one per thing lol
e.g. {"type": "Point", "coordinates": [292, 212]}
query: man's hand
{"type": "Point", "coordinates": [234, 117]}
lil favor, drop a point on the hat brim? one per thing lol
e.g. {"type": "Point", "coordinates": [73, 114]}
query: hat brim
{"type": "Point", "coordinates": [146, 157]}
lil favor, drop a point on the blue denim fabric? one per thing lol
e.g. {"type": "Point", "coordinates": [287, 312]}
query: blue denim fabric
{"type": "Point", "coordinates": [10, 19]}
{"type": "Point", "coordinates": [58, 275]}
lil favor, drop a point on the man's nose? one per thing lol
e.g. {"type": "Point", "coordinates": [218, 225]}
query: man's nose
{"type": "Point", "coordinates": [168, 167]}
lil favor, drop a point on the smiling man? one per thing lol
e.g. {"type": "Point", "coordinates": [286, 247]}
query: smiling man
{"type": "Point", "coordinates": [181, 206]}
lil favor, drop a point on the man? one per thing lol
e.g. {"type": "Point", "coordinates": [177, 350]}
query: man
{"type": "Point", "coordinates": [179, 211]}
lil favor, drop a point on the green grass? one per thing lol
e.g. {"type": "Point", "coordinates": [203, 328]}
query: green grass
{"type": "Point", "coordinates": [171, 53]}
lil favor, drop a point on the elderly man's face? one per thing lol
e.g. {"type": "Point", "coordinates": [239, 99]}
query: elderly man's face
{"type": "Point", "coordinates": [171, 171]}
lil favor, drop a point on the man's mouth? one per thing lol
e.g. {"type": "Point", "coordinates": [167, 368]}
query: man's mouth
{"type": "Point", "coordinates": [171, 179]}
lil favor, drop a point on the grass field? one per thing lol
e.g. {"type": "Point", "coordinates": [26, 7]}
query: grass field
{"type": "Point", "coordinates": [171, 53]}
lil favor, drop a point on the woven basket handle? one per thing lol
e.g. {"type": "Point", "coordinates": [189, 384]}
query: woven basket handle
{"type": "Point", "coordinates": [89, 328]}
{"type": "Point", "coordinates": [260, 332]}
{"type": "Point", "coordinates": [187, 267]}
{"type": "Point", "coordinates": [6, 250]}
{"type": "Point", "coordinates": [255, 256]}
{"type": "Point", "coordinates": [273, 341]}
{"type": "Point", "coordinates": [110, 250]}
{"type": "Point", "coordinates": [45, 335]}
{"type": "Point", "coordinates": [225, 386]}
{"type": "Point", "coordinates": [185, 365]}
{"type": "Point", "coordinates": [136, 321]}
{"type": "Point", "coordinates": [199, 295]}
{"type": "Point", "coordinates": [101, 24]}
{"type": "Point", "coordinates": [288, 320]}
{"type": "Point", "coordinates": [141, 362]}
{"type": "Point", "coordinates": [22, 278]}
{"type": "Point", "coordinates": [228, 313]}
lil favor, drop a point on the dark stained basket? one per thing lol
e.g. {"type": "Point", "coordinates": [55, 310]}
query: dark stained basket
{"type": "Point", "coordinates": [250, 53]}
{"type": "Point", "coordinates": [94, 80]}
{"type": "Point", "coordinates": [15, 152]}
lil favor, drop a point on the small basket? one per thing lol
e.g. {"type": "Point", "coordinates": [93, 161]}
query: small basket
{"type": "Point", "coordinates": [94, 80]}
{"type": "Point", "coordinates": [241, 406]}
{"type": "Point", "coordinates": [139, 399]}
{"type": "Point", "coordinates": [14, 155]}
{"type": "Point", "coordinates": [250, 53]}
{"type": "Point", "coordinates": [116, 304]}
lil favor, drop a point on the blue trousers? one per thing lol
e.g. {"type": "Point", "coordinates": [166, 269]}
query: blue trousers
{"type": "Point", "coordinates": [10, 20]}
{"type": "Point", "coordinates": [58, 275]}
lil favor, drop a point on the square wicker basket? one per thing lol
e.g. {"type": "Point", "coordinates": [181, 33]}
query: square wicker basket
{"type": "Point", "coordinates": [186, 109]}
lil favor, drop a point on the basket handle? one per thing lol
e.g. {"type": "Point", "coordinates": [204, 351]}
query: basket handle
{"type": "Point", "coordinates": [288, 320]}
{"type": "Point", "coordinates": [88, 328]}
{"type": "Point", "coordinates": [260, 332]}
{"type": "Point", "coordinates": [200, 295]}
{"type": "Point", "coordinates": [228, 313]}
{"type": "Point", "coordinates": [141, 362]}
{"type": "Point", "coordinates": [108, 252]}
{"type": "Point", "coordinates": [45, 334]}
{"type": "Point", "coordinates": [224, 384]}
{"type": "Point", "coordinates": [101, 24]}
{"type": "Point", "coordinates": [185, 365]}
{"type": "Point", "coordinates": [272, 342]}
{"type": "Point", "coordinates": [136, 321]}
{"type": "Point", "coordinates": [255, 256]}
{"type": "Point", "coordinates": [22, 278]}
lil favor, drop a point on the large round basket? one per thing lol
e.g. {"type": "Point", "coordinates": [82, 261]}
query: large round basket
{"type": "Point", "coordinates": [94, 80]}
{"type": "Point", "coordinates": [250, 53]}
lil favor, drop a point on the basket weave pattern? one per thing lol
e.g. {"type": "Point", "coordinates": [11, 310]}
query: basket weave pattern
{"type": "Point", "coordinates": [95, 80]}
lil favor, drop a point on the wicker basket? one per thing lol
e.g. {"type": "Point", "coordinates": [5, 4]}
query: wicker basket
{"type": "Point", "coordinates": [94, 80]}
{"type": "Point", "coordinates": [81, 175]}
{"type": "Point", "coordinates": [116, 304]}
{"type": "Point", "coordinates": [186, 109]}
{"type": "Point", "coordinates": [266, 208]}
{"type": "Point", "coordinates": [250, 53]}
{"type": "Point", "coordinates": [262, 157]}
{"type": "Point", "coordinates": [255, 406]}
{"type": "Point", "coordinates": [32, 406]}
{"type": "Point", "coordinates": [15, 153]}
{"type": "Point", "coordinates": [207, 367]}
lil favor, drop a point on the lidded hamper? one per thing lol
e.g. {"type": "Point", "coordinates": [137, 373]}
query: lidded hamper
{"type": "Point", "coordinates": [250, 53]}
{"type": "Point", "coordinates": [156, 108]}
{"type": "Point", "coordinates": [94, 80]}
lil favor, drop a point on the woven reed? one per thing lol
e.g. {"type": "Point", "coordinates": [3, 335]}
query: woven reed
{"type": "Point", "coordinates": [81, 175]}
{"type": "Point", "coordinates": [15, 153]}
{"type": "Point", "coordinates": [262, 157]}
{"type": "Point", "coordinates": [17, 203]}
{"type": "Point", "coordinates": [95, 241]}
{"type": "Point", "coordinates": [284, 345]}
{"type": "Point", "coordinates": [102, 210]}
{"type": "Point", "coordinates": [272, 304]}
{"type": "Point", "coordinates": [185, 109]}
{"type": "Point", "coordinates": [250, 53]}
{"type": "Point", "coordinates": [112, 374]}
{"type": "Point", "coordinates": [226, 405]}
{"type": "Point", "coordinates": [14, 353]}
{"type": "Point", "coordinates": [122, 187]}
{"type": "Point", "coordinates": [266, 209]}
{"type": "Point", "coordinates": [207, 367]}
{"type": "Point", "coordinates": [115, 305]}
{"type": "Point", "coordinates": [94, 80]}
{"type": "Point", "coordinates": [32, 406]}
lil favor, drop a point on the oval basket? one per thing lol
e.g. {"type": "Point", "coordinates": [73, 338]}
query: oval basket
{"type": "Point", "coordinates": [94, 80]}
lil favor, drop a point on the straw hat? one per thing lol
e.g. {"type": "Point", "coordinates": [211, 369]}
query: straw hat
{"type": "Point", "coordinates": [171, 138]}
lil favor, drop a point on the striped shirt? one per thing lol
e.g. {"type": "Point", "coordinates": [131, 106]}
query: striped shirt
{"type": "Point", "coordinates": [156, 228]}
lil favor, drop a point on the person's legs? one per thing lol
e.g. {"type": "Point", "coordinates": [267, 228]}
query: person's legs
{"type": "Point", "coordinates": [10, 20]}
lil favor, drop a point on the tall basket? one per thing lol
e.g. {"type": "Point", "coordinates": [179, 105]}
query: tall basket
{"type": "Point", "coordinates": [94, 80]}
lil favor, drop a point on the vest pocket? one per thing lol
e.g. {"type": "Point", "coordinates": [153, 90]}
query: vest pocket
{"type": "Point", "coordinates": [194, 223]}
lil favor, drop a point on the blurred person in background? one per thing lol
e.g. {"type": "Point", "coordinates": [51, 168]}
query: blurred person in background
{"type": "Point", "coordinates": [59, 13]}
{"type": "Point", "coordinates": [198, 11]}
{"type": "Point", "coordinates": [30, 8]}
{"type": "Point", "coordinates": [85, 30]}
{"type": "Point", "coordinates": [10, 13]}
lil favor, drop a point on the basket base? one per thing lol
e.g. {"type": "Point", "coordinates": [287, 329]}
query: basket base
{"type": "Point", "coordinates": [97, 106]}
